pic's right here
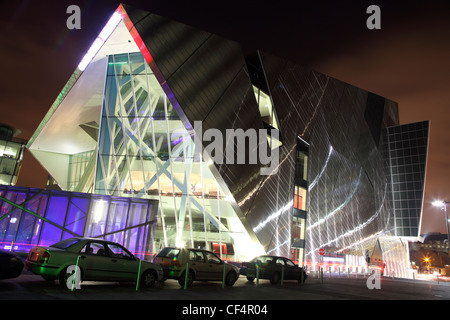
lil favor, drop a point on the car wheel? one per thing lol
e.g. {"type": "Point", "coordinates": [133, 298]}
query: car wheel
{"type": "Point", "coordinates": [148, 279]}
{"type": "Point", "coordinates": [251, 279]}
{"type": "Point", "coordinates": [275, 278]}
{"type": "Point", "coordinates": [182, 278]}
{"type": "Point", "coordinates": [231, 278]}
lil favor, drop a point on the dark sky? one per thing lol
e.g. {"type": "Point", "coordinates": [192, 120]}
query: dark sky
{"type": "Point", "coordinates": [407, 61]}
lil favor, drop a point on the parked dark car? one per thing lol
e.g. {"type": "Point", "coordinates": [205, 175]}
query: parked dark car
{"type": "Point", "coordinates": [273, 268]}
{"type": "Point", "coordinates": [203, 265]}
{"type": "Point", "coordinates": [11, 265]}
{"type": "Point", "coordinates": [99, 260]}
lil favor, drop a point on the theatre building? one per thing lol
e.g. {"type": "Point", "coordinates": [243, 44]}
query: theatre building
{"type": "Point", "coordinates": [347, 178]}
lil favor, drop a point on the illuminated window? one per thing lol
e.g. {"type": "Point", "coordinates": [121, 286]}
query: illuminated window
{"type": "Point", "coordinates": [263, 99]}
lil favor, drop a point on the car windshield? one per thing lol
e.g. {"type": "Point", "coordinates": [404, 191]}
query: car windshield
{"type": "Point", "coordinates": [168, 252]}
{"type": "Point", "coordinates": [65, 243]}
{"type": "Point", "coordinates": [262, 260]}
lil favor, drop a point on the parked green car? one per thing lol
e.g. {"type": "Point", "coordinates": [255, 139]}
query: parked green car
{"type": "Point", "coordinates": [98, 260]}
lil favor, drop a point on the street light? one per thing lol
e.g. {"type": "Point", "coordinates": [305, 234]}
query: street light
{"type": "Point", "coordinates": [443, 206]}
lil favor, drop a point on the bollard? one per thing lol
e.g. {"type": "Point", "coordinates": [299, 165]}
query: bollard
{"type": "Point", "coordinates": [302, 278]}
{"type": "Point", "coordinates": [138, 275]}
{"type": "Point", "coordinates": [339, 269]}
{"type": "Point", "coordinates": [186, 275]}
{"type": "Point", "coordinates": [257, 275]}
{"type": "Point", "coordinates": [329, 273]}
{"type": "Point", "coordinates": [223, 276]}
{"type": "Point", "coordinates": [321, 275]}
{"type": "Point", "coordinates": [348, 273]}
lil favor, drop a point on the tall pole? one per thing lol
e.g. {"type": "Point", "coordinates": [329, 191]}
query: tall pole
{"type": "Point", "coordinates": [443, 205]}
{"type": "Point", "coordinates": [446, 223]}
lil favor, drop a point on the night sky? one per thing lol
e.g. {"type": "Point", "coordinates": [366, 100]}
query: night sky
{"type": "Point", "coordinates": [407, 61]}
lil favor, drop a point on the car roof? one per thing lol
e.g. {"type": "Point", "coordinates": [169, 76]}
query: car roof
{"type": "Point", "coordinates": [90, 239]}
{"type": "Point", "coordinates": [181, 248]}
{"type": "Point", "coordinates": [269, 256]}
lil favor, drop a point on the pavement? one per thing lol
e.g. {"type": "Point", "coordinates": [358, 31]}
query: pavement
{"type": "Point", "coordinates": [331, 287]}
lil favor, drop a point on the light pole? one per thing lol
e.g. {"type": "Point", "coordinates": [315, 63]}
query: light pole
{"type": "Point", "coordinates": [443, 206]}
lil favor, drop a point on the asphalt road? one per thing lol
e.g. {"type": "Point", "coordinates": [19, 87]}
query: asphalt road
{"type": "Point", "coordinates": [32, 295]}
{"type": "Point", "coordinates": [32, 287]}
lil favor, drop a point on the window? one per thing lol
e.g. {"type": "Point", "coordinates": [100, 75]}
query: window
{"type": "Point", "coordinates": [65, 243]}
{"type": "Point", "coordinates": [280, 262]}
{"type": "Point", "coordinates": [212, 258]}
{"type": "Point", "coordinates": [168, 252]}
{"type": "Point", "coordinates": [118, 251]}
{"type": "Point", "coordinates": [299, 198]}
{"type": "Point", "coordinates": [196, 256]}
{"type": "Point", "coordinates": [289, 263]}
{"type": "Point", "coordinates": [94, 248]}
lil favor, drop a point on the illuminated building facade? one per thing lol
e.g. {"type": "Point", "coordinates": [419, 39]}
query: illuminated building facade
{"type": "Point", "coordinates": [124, 126]}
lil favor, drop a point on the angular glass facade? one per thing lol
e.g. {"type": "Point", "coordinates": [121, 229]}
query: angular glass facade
{"type": "Point", "coordinates": [31, 217]}
{"type": "Point", "coordinates": [145, 151]}
{"type": "Point", "coordinates": [407, 149]}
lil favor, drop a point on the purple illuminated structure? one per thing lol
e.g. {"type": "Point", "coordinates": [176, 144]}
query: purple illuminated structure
{"type": "Point", "coordinates": [30, 217]}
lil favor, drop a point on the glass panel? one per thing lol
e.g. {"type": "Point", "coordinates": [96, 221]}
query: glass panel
{"type": "Point", "coordinates": [97, 217]}
{"type": "Point", "coordinates": [50, 235]}
{"type": "Point", "coordinates": [137, 63]}
{"type": "Point", "coordinates": [76, 216]}
{"type": "Point", "coordinates": [12, 150]}
{"type": "Point", "coordinates": [116, 220]}
{"type": "Point", "coordinates": [57, 208]}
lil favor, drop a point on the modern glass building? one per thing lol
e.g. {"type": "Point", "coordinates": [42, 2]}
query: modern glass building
{"type": "Point", "coordinates": [11, 154]}
{"type": "Point", "coordinates": [125, 125]}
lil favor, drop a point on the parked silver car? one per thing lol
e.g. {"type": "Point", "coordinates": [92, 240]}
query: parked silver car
{"type": "Point", "coordinates": [203, 265]}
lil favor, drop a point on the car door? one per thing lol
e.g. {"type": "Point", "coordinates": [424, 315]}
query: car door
{"type": "Point", "coordinates": [197, 263]}
{"type": "Point", "coordinates": [214, 266]}
{"type": "Point", "coordinates": [280, 267]}
{"type": "Point", "coordinates": [96, 263]}
{"type": "Point", "coordinates": [124, 266]}
{"type": "Point", "coordinates": [292, 272]}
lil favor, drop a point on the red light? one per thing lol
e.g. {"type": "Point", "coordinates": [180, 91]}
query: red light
{"type": "Point", "coordinates": [175, 262]}
{"type": "Point", "coordinates": [45, 256]}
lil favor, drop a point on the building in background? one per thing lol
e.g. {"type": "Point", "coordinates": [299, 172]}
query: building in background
{"type": "Point", "coordinates": [349, 178]}
{"type": "Point", "coordinates": [432, 241]}
{"type": "Point", "coordinates": [11, 154]}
